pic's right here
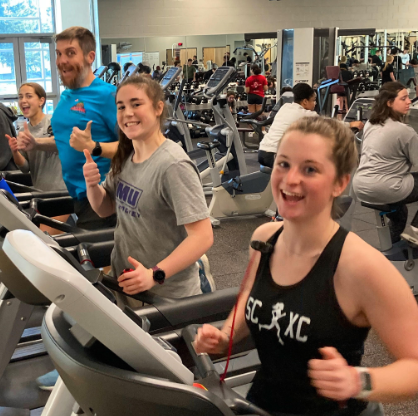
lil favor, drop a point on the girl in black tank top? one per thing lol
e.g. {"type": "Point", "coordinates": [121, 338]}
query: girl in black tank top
{"type": "Point", "coordinates": [289, 324]}
{"type": "Point", "coordinates": [312, 291]}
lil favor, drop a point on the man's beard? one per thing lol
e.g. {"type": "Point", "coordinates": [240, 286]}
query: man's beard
{"type": "Point", "coordinates": [80, 74]}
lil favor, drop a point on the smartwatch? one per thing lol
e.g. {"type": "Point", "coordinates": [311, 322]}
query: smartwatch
{"type": "Point", "coordinates": [97, 151]}
{"type": "Point", "coordinates": [365, 382]}
{"type": "Point", "coordinates": [158, 275]}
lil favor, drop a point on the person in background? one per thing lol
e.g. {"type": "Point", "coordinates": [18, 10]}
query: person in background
{"type": "Point", "coordinates": [248, 58]}
{"type": "Point", "coordinates": [233, 62]}
{"type": "Point", "coordinates": [303, 106]}
{"type": "Point", "coordinates": [405, 58]}
{"type": "Point", "coordinates": [387, 71]}
{"type": "Point", "coordinates": [156, 75]}
{"type": "Point", "coordinates": [376, 59]}
{"type": "Point", "coordinates": [226, 61]}
{"type": "Point", "coordinates": [195, 62]}
{"type": "Point", "coordinates": [397, 62]}
{"type": "Point", "coordinates": [209, 73]}
{"type": "Point", "coordinates": [389, 152]}
{"type": "Point", "coordinates": [272, 85]}
{"type": "Point", "coordinates": [7, 117]}
{"type": "Point", "coordinates": [414, 64]}
{"type": "Point", "coordinates": [126, 65]}
{"type": "Point", "coordinates": [255, 87]}
{"type": "Point", "coordinates": [145, 70]}
{"type": "Point", "coordinates": [44, 167]}
{"type": "Point", "coordinates": [343, 63]}
{"type": "Point", "coordinates": [189, 71]}
{"type": "Point", "coordinates": [232, 104]}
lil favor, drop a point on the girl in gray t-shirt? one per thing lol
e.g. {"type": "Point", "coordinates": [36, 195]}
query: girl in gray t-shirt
{"type": "Point", "coordinates": [389, 151]}
{"type": "Point", "coordinates": [163, 226]}
{"type": "Point", "coordinates": [44, 167]}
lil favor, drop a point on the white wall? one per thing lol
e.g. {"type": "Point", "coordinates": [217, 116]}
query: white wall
{"type": "Point", "coordinates": [73, 13]}
{"type": "Point", "coordinates": [138, 18]}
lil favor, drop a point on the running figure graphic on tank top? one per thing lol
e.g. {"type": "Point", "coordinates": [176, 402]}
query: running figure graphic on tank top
{"type": "Point", "coordinates": [276, 315]}
{"type": "Point", "coordinates": [296, 324]}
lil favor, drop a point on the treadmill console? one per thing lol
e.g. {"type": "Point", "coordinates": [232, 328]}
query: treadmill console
{"type": "Point", "coordinates": [219, 80]}
{"type": "Point", "coordinates": [169, 77]}
{"type": "Point", "coordinates": [99, 72]}
{"type": "Point", "coordinates": [412, 118]}
{"type": "Point", "coordinates": [365, 104]}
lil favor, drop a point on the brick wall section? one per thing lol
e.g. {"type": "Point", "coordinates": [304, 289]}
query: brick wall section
{"type": "Point", "coordinates": [137, 18]}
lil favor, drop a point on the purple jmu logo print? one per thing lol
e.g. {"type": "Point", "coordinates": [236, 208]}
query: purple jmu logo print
{"type": "Point", "coordinates": [128, 194]}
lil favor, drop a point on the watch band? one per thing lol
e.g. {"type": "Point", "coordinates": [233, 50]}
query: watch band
{"type": "Point", "coordinates": [158, 275]}
{"type": "Point", "coordinates": [365, 383]}
{"type": "Point", "coordinates": [97, 151]}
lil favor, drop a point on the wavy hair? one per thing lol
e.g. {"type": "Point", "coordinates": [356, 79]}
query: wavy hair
{"type": "Point", "coordinates": [380, 110]}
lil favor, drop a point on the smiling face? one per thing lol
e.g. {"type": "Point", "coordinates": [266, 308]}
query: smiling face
{"type": "Point", "coordinates": [401, 103]}
{"type": "Point", "coordinates": [30, 104]}
{"type": "Point", "coordinates": [304, 176]}
{"type": "Point", "coordinates": [137, 117]}
{"type": "Point", "coordinates": [73, 66]}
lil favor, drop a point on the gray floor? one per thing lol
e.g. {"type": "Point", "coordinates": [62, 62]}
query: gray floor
{"type": "Point", "coordinates": [228, 260]}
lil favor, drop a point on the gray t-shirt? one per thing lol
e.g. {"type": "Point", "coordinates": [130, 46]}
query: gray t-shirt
{"type": "Point", "coordinates": [154, 199]}
{"type": "Point", "coordinates": [387, 155]}
{"type": "Point", "coordinates": [44, 167]}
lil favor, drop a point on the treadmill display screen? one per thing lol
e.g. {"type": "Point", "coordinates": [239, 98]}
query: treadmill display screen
{"type": "Point", "coordinates": [217, 77]}
{"type": "Point", "coordinates": [365, 104]}
{"type": "Point", "coordinates": [168, 76]}
{"type": "Point", "coordinates": [412, 119]}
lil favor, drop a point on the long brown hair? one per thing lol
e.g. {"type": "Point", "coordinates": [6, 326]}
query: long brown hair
{"type": "Point", "coordinates": [155, 94]}
{"type": "Point", "coordinates": [381, 111]}
{"type": "Point", "coordinates": [344, 151]}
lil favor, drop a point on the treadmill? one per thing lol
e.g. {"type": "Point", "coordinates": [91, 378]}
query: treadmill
{"type": "Point", "coordinates": [109, 363]}
{"type": "Point", "coordinates": [164, 315]}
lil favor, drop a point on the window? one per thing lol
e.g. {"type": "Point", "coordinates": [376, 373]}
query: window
{"type": "Point", "coordinates": [26, 16]}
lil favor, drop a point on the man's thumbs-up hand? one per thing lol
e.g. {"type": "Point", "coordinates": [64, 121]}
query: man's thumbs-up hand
{"type": "Point", "coordinates": [91, 171]}
{"type": "Point", "coordinates": [333, 377]}
{"type": "Point", "coordinates": [81, 139]}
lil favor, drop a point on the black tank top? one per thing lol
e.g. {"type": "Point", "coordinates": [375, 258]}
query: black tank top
{"type": "Point", "coordinates": [289, 324]}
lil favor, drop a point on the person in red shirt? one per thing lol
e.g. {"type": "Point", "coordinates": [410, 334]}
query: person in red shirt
{"type": "Point", "coordinates": [255, 86]}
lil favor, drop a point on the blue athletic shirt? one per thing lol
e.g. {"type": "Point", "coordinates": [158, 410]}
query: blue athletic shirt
{"type": "Point", "coordinates": [75, 109]}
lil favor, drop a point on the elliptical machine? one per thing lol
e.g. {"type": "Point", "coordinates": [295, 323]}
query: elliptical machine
{"type": "Point", "coordinates": [237, 193]}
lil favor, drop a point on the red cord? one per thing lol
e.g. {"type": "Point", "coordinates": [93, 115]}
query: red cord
{"type": "Point", "coordinates": [231, 335]}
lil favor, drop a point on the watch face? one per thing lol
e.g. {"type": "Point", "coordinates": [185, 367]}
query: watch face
{"type": "Point", "coordinates": [97, 151]}
{"type": "Point", "coordinates": [159, 276]}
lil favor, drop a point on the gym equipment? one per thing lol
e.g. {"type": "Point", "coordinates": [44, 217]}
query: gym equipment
{"type": "Point", "coordinates": [100, 72]}
{"type": "Point", "coordinates": [257, 126]}
{"type": "Point", "coordinates": [229, 153]}
{"type": "Point", "coordinates": [107, 361]}
{"type": "Point", "coordinates": [403, 254]}
{"type": "Point", "coordinates": [163, 314]}
{"type": "Point", "coordinates": [178, 132]}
